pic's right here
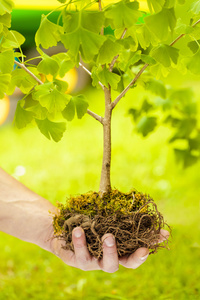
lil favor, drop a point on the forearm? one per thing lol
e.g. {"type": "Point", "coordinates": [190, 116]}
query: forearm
{"type": "Point", "coordinates": [23, 213]}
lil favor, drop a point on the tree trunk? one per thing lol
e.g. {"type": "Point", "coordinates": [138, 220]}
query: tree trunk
{"type": "Point", "coordinates": [105, 184]}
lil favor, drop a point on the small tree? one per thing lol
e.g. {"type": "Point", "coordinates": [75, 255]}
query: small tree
{"type": "Point", "coordinates": [138, 43]}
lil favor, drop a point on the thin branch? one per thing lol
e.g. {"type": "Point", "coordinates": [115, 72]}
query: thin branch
{"type": "Point", "coordinates": [22, 66]}
{"type": "Point", "coordinates": [95, 116]}
{"type": "Point", "coordinates": [114, 103]}
{"type": "Point", "coordinates": [183, 34]}
{"type": "Point", "coordinates": [100, 9]}
{"type": "Point", "coordinates": [87, 71]}
{"type": "Point", "coordinates": [116, 57]}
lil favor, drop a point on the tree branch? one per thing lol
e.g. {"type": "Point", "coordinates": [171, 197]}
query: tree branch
{"type": "Point", "coordinates": [22, 66]}
{"type": "Point", "coordinates": [116, 57]}
{"type": "Point", "coordinates": [87, 71]}
{"type": "Point", "coordinates": [114, 103]}
{"type": "Point", "coordinates": [95, 116]}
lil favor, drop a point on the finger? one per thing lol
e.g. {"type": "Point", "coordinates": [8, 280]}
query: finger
{"type": "Point", "coordinates": [109, 262]}
{"type": "Point", "coordinates": [136, 259]}
{"type": "Point", "coordinates": [164, 235]}
{"type": "Point", "coordinates": [83, 258]}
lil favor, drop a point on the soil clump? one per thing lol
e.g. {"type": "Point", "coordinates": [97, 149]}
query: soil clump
{"type": "Point", "coordinates": [133, 218]}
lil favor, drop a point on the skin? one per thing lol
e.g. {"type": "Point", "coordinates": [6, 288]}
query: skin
{"type": "Point", "coordinates": [25, 215]}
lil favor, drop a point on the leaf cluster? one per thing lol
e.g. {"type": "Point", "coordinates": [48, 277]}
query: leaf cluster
{"type": "Point", "coordinates": [175, 108]}
{"type": "Point", "coordinates": [165, 37]}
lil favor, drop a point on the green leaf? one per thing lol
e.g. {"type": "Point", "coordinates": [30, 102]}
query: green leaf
{"type": "Point", "coordinates": [144, 36]}
{"type": "Point", "coordinates": [22, 116]}
{"type": "Point", "coordinates": [69, 111]}
{"type": "Point", "coordinates": [22, 80]}
{"type": "Point", "coordinates": [6, 61]}
{"type": "Point", "coordinates": [194, 46]}
{"type": "Point", "coordinates": [6, 6]}
{"type": "Point", "coordinates": [155, 5]}
{"type": "Point", "coordinates": [48, 34]}
{"type": "Point", "coordinates": [146, 125]}
{"type": "Point", "coordinates": [62, 1]}
{"type": "Point", "coordinates": [146, 106]}
{"type": "Point", "coordinates": [165, 54]}
{"type": "Point", "coordinates": [185, 157]}
{"type": "Point", "coordinates": [194, 63]}
{"type": "Point", "coordinates": [82, 34]}
{"type": "Point", "coordinates": [13, 40]}
{"type": "Point", "coordinates": [51, 129]}
{"type": "Point", "coordinates": [122, 14]}
{"type": "Point", "coordinates": [65, 63]}
{"type": "Point", "coordinates": [4, 82]}
{"type": "Point", "coordinates": [157, 87]}
{"type": "Point", "coordinates": [85, 41]}
{"type": "Point", "coordinates": [106, 77]}
{"type": "Point", "coordinates": [185, 128]}
{"type": "Point", "coordinates": [81, 105]}
{"type": "Point", "coordinates": [161, 23]}
{"type": "Point", "coordinates": [108, 51]}
{"type": "Point", "coordinates": [39, 111]}
{"type": "Point", "coordinates": [5, 19]}
{"type": "Point", "coordinates": [51, 98]}
{"type": "Point", "coordinates": [77, 103]}
{"type": "Point", "coordinates": [195, 7]}
{"type": "Point", "coordinates": [48, 65]}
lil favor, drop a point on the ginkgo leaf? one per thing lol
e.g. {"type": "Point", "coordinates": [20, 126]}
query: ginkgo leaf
{"type": "Point", "coordinates": [146, 125]}
{"type": "Point", "coordinates": [161, 22]}
{"type": "Point", "coordinates": [13, 40]}
{"type": "Point", "coordinates": [77, 103]}
{"type": "Point", "coordinates": [81, 105]}
{"type": "Point", "coordinates": [6, 61]}
{"type": "Point", "coordinates": [157, 87]}
{"type": "Point", "coordinates": [22, 80]}
{"type": "Point", "coordinates": [5, 19]}
{"type": "Point", "coordinates": [69, 111]}
{"type": "Point", "coordinates": [4, 82]}
{"type": "Point", "coordinates": [195, 7]}
{"type": "Point", "coordinates": [122, 14]}
{"type": "Point", "coordinates": [51, 98]}
{"type": "Point", "coordinates": [155, 5]}
{"type": "Point", "coordinates": [85, 41]}
{"type": "Point", "coordinates": [6, 6]}
{"type": "Point", "coordinates": [108, 51]}
{"type": "Point", "coordinates": [64, 62]}
{"type": "Point", "coordinates": [48, 65]}
{"type": "Point", "coordinates": [48, 34]}
{"type": "Point", "coordinates": [51, 129]}
{"type": "Point", "coordinates": [165, 54]}
{"type": "Point", "coordinates": [22, 116]}
{"type": "Point", "coordinates": [106, 77]}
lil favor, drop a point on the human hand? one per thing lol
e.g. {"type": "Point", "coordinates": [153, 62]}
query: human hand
{"type": "Point", "coordinates": [110, 262]}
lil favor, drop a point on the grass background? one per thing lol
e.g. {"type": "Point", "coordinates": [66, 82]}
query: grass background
{"type": "Point", "coordinates": [73, 166]}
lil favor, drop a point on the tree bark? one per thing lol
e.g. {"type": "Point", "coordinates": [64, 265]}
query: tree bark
{"type": "Point", "coordinates": [105, 183]}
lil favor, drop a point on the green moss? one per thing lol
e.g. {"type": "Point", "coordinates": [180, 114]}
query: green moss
{"type": "Point", "coordinates": [92, 204]}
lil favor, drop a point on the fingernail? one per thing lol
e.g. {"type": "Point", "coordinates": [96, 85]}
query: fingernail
{"type": "Point", "coordinates": [77, 232]}
{"type": "Point", "coordinates": [109, 241]}
{"type": "Point", "coordinates": [144, 257]}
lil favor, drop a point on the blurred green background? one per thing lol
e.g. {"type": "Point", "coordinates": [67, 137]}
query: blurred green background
{"type": "Point", "coordinates": [73, 166]}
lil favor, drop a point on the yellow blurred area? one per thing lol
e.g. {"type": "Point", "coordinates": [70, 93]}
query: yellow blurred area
{"type": "Point", "coordinates": [4, 109]}
{"type": "Point", "coordinates": [52, 4]}
{"type": "Point", "coordinates": [70, 77]}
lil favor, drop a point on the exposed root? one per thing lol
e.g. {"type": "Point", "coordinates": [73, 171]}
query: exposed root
{"type": "Point", "coordinates": [137, 226]}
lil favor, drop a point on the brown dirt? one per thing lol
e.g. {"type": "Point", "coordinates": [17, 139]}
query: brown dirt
{"type": "Point", "coordinates": [133, 218]}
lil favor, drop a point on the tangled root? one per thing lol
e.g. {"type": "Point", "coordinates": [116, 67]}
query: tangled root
{"type": "Point", "coordinates": [135, 223]}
